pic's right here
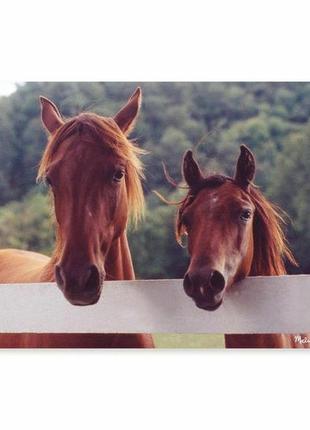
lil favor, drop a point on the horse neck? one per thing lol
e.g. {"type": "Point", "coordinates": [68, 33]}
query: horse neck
{"type": "Point", "coordinates": [267, 262]}
{"type": "Point", "coordinates": [118, 262]}
{"type": "Point", "coordinates": [266, 270]}
{"type": "Point", "coordinates": [272, 340]}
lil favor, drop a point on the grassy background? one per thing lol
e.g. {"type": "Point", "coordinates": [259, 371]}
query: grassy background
{"type": "Point", "coordinates": [189, 340]}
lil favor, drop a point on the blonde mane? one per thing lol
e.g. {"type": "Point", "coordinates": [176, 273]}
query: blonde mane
{"type": "Point", "coordinates": [107, 132]}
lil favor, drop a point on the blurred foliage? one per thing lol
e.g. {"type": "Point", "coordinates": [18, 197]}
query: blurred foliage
{"type": "Point", "coordinates": [27, 224]}
{"type": "Point", "coordinates": [154, 247]}
{"type": "Point", "coordinates": [212, 118]}
{"type": "Point", "coordinates": [290, 188]}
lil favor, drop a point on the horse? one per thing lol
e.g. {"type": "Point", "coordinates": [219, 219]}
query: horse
{"type": "Point", "coordinates": [94, 174]}
{"type": "Point", "coordinates": [232, 231]}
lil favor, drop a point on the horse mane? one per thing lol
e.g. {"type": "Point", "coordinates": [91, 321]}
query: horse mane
{"type": "Point", "coordinates": [271, 249]}
{"type": "Point", "coordinates": [106, 132]}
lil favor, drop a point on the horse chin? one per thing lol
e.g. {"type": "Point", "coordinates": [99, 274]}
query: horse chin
{"type": "Point", "coordinates": [83, 299]}
{"type": "Point", "coordinates": [207, 306]}
{"type": "Point", "coordinates": [84, 303]}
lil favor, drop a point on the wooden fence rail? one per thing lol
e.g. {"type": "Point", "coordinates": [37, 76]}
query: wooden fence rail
{"type": "Point", "coordinates": [257, 305]}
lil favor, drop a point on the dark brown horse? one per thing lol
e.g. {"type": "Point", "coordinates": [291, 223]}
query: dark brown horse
{"type": "Point", "coordinates": [233, 232]}
{"type": "Point", "coordinates": [94, 174]}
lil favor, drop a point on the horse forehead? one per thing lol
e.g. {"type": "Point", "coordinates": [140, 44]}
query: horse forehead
{"type": "Point", "coordinates": [227, 195]}
{"type": "Point", "coordinates": [80, 154]}
{"type": "Point", "coordinates": [88, 149]}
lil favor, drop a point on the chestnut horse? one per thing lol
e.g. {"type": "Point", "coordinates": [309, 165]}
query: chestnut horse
{"type": "Point", "coordinates": [94, 174]}
{"type": "Point", "coordinates": [233, 232]}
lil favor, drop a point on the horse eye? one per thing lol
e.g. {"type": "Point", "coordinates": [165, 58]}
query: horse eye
{"type": "Point", "coordinates": [245, 215]}
{"type": "Point", "coordinates": [118, 175]}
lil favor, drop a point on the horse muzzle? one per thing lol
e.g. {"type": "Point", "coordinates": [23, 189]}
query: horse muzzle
{"type": "Point", "coordinates": [81, 286]}
{"type": "Point", "coordinates": [206, 288]}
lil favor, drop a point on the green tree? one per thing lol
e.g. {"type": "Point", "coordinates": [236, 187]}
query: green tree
{"type": "Point", "coordinates": [27, 224]}
{"type": "Point", "coordinates": [291, 190]}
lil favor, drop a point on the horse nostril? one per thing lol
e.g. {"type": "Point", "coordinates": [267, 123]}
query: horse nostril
{"type": "Point", "coordinates": [188, 285]}
{"type": "Point", "coordinates": [93, 278]}
{"type": "Point", "coordinates": [217, 281]}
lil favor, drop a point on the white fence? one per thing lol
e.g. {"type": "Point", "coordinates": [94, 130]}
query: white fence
{"type": "Point", "coordinates": [256, 305]}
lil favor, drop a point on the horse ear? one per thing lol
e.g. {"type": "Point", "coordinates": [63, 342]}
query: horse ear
{"type": "Point", "coordinates": [191, 170]}
{"type": "Point", "coordinates": [127, 116]}
{"type": "Point", "coordinates": [50, 115]}
{"type": "Point", "coordinates": [245, 170]}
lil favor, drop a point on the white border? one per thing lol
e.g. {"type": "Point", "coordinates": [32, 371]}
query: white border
{"type": "Point", "coordinates": [197, 40]}
{"type": "Point", "coordinates": [137, 41]}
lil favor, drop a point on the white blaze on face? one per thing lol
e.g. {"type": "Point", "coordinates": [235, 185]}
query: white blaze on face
{"type": "Point", "coordinates": [214, 199]}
